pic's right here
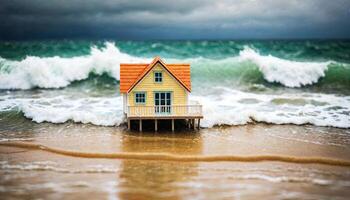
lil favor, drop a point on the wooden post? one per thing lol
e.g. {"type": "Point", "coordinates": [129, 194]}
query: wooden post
{"type": "Point", "coordinates": [140, 125]}
{"type": "Point", "coordinates": [128, 124]}
{"type": "Point", "coordinates": [199, 121]}
{"type": "Point", "coordinates": [189, 123]}
{"type": "Point", "coordinates": [172, 125]}
{"type": "Point", "coordinates": [155, 125]}
{"type": "Point", "coordinates": [194, 124]}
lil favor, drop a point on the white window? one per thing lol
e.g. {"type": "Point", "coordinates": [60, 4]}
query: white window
{"type": "Point", "coordinates": [140, 97]}
{"type": "Point", "coordinates": [158, 77]}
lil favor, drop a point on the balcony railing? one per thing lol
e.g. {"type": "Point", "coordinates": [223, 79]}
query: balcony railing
{"type": "Point", "coordinates": [165, 111]}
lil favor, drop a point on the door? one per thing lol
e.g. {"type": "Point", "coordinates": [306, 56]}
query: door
{"type": "Point", "coordinates": [162, 102]}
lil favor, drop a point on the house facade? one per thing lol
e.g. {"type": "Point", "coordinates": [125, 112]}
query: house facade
{"type": "Point", "coordinates": [157, 91]}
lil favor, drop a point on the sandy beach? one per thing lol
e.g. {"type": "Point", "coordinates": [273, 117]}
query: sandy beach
{"type": "Point", "coordinates": [32, 173]}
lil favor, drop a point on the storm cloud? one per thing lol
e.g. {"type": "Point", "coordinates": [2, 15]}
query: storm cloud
{"type": "Point", "coordinates": [180, 19]}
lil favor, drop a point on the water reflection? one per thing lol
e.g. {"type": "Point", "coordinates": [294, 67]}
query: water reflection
{"type": "Point", "coordinates": [157, 179]}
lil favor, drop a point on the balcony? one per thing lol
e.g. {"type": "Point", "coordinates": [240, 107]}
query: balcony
{"type": "Point", "coordinates": [165, 112]}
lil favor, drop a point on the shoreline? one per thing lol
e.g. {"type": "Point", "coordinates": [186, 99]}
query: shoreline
{"type": "Point", "coordinates": [161, 171]}
{"type": "Point", "coordinates": [177, 158]}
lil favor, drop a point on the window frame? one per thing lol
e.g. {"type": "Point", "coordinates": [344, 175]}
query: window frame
{"type": "Point", "coordinates": [135, 98]}
{"type": "Point", "coordinates": [155, 77]}
{"type": "Point", "coordinates": [169, 109]}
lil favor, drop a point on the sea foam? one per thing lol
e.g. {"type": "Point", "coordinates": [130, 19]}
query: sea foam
{"type": "Point", "coordinates": [225, 107]}
{"type": "Point", "coordinates": [58, 72]}
{"type": "Point", "coordinates": [286, 72]}
{"type": "Point", "coordinates": [220, 104]}
{"type": "Point", "coordinates": [234, 107]}
{"type": "Point", "coordinates": [94, 110]}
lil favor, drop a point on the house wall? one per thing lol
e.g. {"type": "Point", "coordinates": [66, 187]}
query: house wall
{"type": "Point", "coordinates": [169, 84]}
{"type": "Point", "coordinates": [125, 105]}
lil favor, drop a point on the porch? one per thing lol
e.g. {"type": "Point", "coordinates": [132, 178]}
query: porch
{"type": "Point", "coordinates": [190, 113]}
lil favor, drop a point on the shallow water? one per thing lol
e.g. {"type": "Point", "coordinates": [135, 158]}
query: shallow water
{"type": "Point", "coordinates": [29, 173]}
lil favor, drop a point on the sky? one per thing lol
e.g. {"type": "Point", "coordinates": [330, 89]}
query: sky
{"type": "Point", "coordinates": [174, 19]}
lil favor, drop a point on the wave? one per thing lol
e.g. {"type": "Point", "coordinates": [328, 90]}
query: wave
{"type": "Point", "coordinates": [95, 110]}
{"type": "Point", "coordinates": [219, 108]}
{"type": "Point", "coordinates": [55, 167]}
{"type": "Point", "coordinates": [286, 72]}
{"type": "Point", "coordinates": [280, 179]}
{"type": "Point", "coordinates": [58, 72]}
{"type": "Point", "coordinates": [221, 100]}
{"type": "Point", "coordinates": [222, 108]}
{"type": "Point", "coordinates": [182, 158]}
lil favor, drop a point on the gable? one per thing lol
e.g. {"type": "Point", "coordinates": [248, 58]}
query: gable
{"type": "Point", "coordinates": [132, 74]}
{"type": "Point", "coordinates": [147, 83]}
{"type": "Point", "coordinates": [148, 86]}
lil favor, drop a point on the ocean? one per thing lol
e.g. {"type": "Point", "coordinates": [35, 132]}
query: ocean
{"type": "Point", "coordinates": [238, 82]}
{"type": "Point", "coordinates": [276, 122]}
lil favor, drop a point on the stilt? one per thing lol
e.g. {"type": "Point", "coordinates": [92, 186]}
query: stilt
{"type": "Point", "coordinates": [155, 125]}
{"type": "Point", "coordinates": [128, 124]}
{"type": "Point", "coordinates": [189, 123]}
{"type": "Point", "coordinates": [194, 124]}
{"type": "Point", "coordinates": [140, 125]}
{"type": "Point", "coordinates": [172, 125]}
{"type": "Point", "coordinates": [199, 121]}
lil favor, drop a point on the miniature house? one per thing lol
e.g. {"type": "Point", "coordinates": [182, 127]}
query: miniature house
{"type": "Point", "coordinates": [158, 91]}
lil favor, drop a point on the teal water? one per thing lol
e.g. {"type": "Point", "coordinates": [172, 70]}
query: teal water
{"type": "Point", "coordinates": [303, 50]}
{"type": "Point", "coordinates": [272, 81]}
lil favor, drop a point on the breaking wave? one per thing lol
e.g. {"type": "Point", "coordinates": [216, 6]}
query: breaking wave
{"type": "Point", "coordinates": [286, 72]}
{"type": "Point", "coordinates": [221, 100]}
{"type": "Point", "coordinates": [318, 109]}
{"type": "Point", "coordinates": [102, 111]}
{"type": "Point", "coordinates": [58, 72]}
{"type": "Point", "coordinates": [219, 108]}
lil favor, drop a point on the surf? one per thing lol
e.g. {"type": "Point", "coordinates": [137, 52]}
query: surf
{"type": "Point", "coordinates": [59, 72]}
{"type": "Point", "coordinates": [219, 108]}
{"type": "Point", "coordinates": [286, 72]}
{"type": "Point", "coordinates": [83, 88]}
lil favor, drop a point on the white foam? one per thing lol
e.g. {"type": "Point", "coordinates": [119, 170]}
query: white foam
{"type": "Point", "coordinates": [57, 72]}
{"type": "Point", "coordinates": [279, 179]}
{"type": "Point", "coordinates": [105, 111]}
{"type": "Point", "coordinates": [15, 139]}
{"type": "Point", "coordinates": [230, 107]}
{"type": "Point", "coordinates": [225, 107]}
{"type": "Point", "coordinates": [56, 167]}
{"type": "Point", "coordinates": [288, 73]}
{"type": "Point", "coordinates": [98, 111]}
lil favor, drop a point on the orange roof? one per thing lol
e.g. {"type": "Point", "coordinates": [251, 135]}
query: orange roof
{"type": "Point", "coordinates": [132, 74]}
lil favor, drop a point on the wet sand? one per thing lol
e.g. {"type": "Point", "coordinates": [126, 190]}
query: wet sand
{"type": "Point", "coordinates": [33, 173]}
